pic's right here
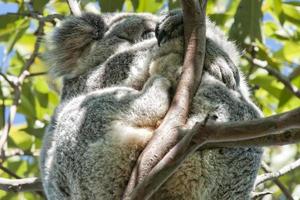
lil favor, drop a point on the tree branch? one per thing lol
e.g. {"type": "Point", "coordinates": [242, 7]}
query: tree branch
{"type": "Point", "coordinates": [295, 73]}
{"type": "Point", "coordinates": [167, 133]}
{"type": "Point", "coordinates": [274, 175]}
{"type": "Point", "coordinates": [21, 185]}
{"type": "Point", "coordinates": [283, 79]}
{"type": "Point", "coordinates": [284, 190]}
{"type": "Point", "coordinates": [39, 17]}
{"type": "Point", "coordinates": [74, 7]}
{"type": "Point", "coordinates": [260, 195]}
{"type": "Point", "coordinates": [37, 74]}
{"type": "Point", "coordinates": [17, 85]}
{"type": "Point", "coordinates": [290, 136]}
{"type": "Point", "coordinates": [211, 132]}
{"type": "Point", "coordinates": [7, 79]}
{"type": "Point", "coordinates": [7, 171]}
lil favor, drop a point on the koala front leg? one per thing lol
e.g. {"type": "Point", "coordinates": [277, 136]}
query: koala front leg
{"type": "Point", "coordinates": [141, 112]}
{"type": "Point", "coordinates": [151, 104]}
{"type": "Point", "coordinates": [221, 55]}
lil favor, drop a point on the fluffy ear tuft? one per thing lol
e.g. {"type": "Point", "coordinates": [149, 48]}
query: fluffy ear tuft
{"type": "Point", "coordinates": [68, 41]}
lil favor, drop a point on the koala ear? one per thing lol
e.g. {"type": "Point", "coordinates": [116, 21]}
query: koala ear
{"type": "Point", "coordinates": [68, 42]}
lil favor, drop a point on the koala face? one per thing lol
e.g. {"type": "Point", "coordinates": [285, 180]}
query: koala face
{"type": "Point", "coordinates": [123, 32]}
{"type": "Point", "coordinates": [96, 51]}
{"type": "Point", "coordinates": [84, 42]}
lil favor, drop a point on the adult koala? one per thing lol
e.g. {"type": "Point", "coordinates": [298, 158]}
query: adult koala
{"type": "Point", "coordinates": [116, 90]}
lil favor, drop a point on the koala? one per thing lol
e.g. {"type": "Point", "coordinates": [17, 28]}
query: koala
{"type": "Point", "coordinates": [119, 71]}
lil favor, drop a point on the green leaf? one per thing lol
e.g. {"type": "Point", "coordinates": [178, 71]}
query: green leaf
{"type": "Point", "coordinates": [219, 18]}
{"type": "Point", "coordinates": [291, 50]}
{"type": "Point", "coordinates": [5, 20]}
{"type": "Point", "coordinates": [38, 5]}
{"type": "Point", "coordinates": [173, 4]}
{"type": "Point", "coordinates": [292, 14]}
{"type": "Point", "coordinates": [7, 26]}
{"type": "Point", "coordinates": [135, 4]}
{"type": "Point", "coordinates": [19, 138]}
{"type": "Point", "coordinates": [60, 7]}
{"type": "Point", "coordinates": [284, 97]}
{"type": "Point", "coordinates": [28, 104]}
{"type": "Point", "coordinates": [19, 31]}
{"type": "Point", "coordinates": [278, 10]}
{"type": "Point", "coordinates": [267, 83]}
{"type": "Point", "coordinates": [111, 6]}
{"type": "Point", "coordinates": [16, 64]}
{"type": "Point", "coordinates": [151, 6]}
{"type": "Point", "coordinates": [246, 26]}
{"type": "Point", "coordinates": [294, 3]}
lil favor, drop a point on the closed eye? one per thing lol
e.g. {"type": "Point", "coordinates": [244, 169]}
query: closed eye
{"type": "Point", "coordinates": [124, 38]}
{"type": "Point", "coordinates": [148, 34]}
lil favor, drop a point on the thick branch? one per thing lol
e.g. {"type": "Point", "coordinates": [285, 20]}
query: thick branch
{"type": "Point", "coordinates": [203, 133]}
{"type": "Point", "coordinates": [290, 136]}
{"type": "Point", "coordinates": [21, 185]}
{"type": "Point", "coordinates": [245, 130]}
{"type": "Point", "coordinates": [167, 133]}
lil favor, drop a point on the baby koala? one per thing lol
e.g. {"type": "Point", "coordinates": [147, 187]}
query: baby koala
{"type": "Point", "coordinates": [116, 89]}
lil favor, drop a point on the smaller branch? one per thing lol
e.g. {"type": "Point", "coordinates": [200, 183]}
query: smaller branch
{"type": "Point", "coordinates": [74, 7]}
{"type": "Point", "coordinates": [3, 112]}
{"type": "Point", "coordinates": [260, 195]}
{"type": "Point", "coordinates": [11, 83]}
{"type": "Point", "coordinates": [274, 175]}
{"type": "Point", "coordinates": [21, 185]}
{"type": "Point", "coordinates": [284, 190]}
{"type": "Point", "coordinates": [49, 18]}
{"type": "Point", "coordinates": [39, 33]}
{"type": "Point", "coordinates": [11, 117]}
{"type": "Point", "coordinates": [20, 152]}
{"type": "Point", "coordinates": [18, 85]}
{"type": "Point", "coordinates": [295, 73]}
{"type": "Point", "coordinates": [7, 171]}
{"type": "Point", "coordinates": [37, 74]}
{"type": "Point", "coordinates": [283, 79]}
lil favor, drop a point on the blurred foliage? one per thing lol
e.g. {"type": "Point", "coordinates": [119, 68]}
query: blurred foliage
{"type": "Point", "coordinates": [267, 30]}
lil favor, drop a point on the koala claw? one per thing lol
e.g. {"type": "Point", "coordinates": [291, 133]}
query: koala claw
{"type": "Point", "coordinates": [170, 27]}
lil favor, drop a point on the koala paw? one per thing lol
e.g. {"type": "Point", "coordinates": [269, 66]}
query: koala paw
{"type": "Point", "coordinates": [158, 83]}
{"type": "Point", "coordinates": [170, 27]}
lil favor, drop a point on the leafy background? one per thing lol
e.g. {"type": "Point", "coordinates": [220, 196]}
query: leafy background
{"type": "Point", "coordinates": [266, 31]}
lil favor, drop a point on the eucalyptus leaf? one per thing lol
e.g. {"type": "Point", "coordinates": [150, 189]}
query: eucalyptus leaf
{"type": "Point", "coordinates": [247, 20]}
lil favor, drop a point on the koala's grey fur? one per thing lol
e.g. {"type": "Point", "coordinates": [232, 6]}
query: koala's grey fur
{"type": "Point", "coordinates": [116, 90]}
